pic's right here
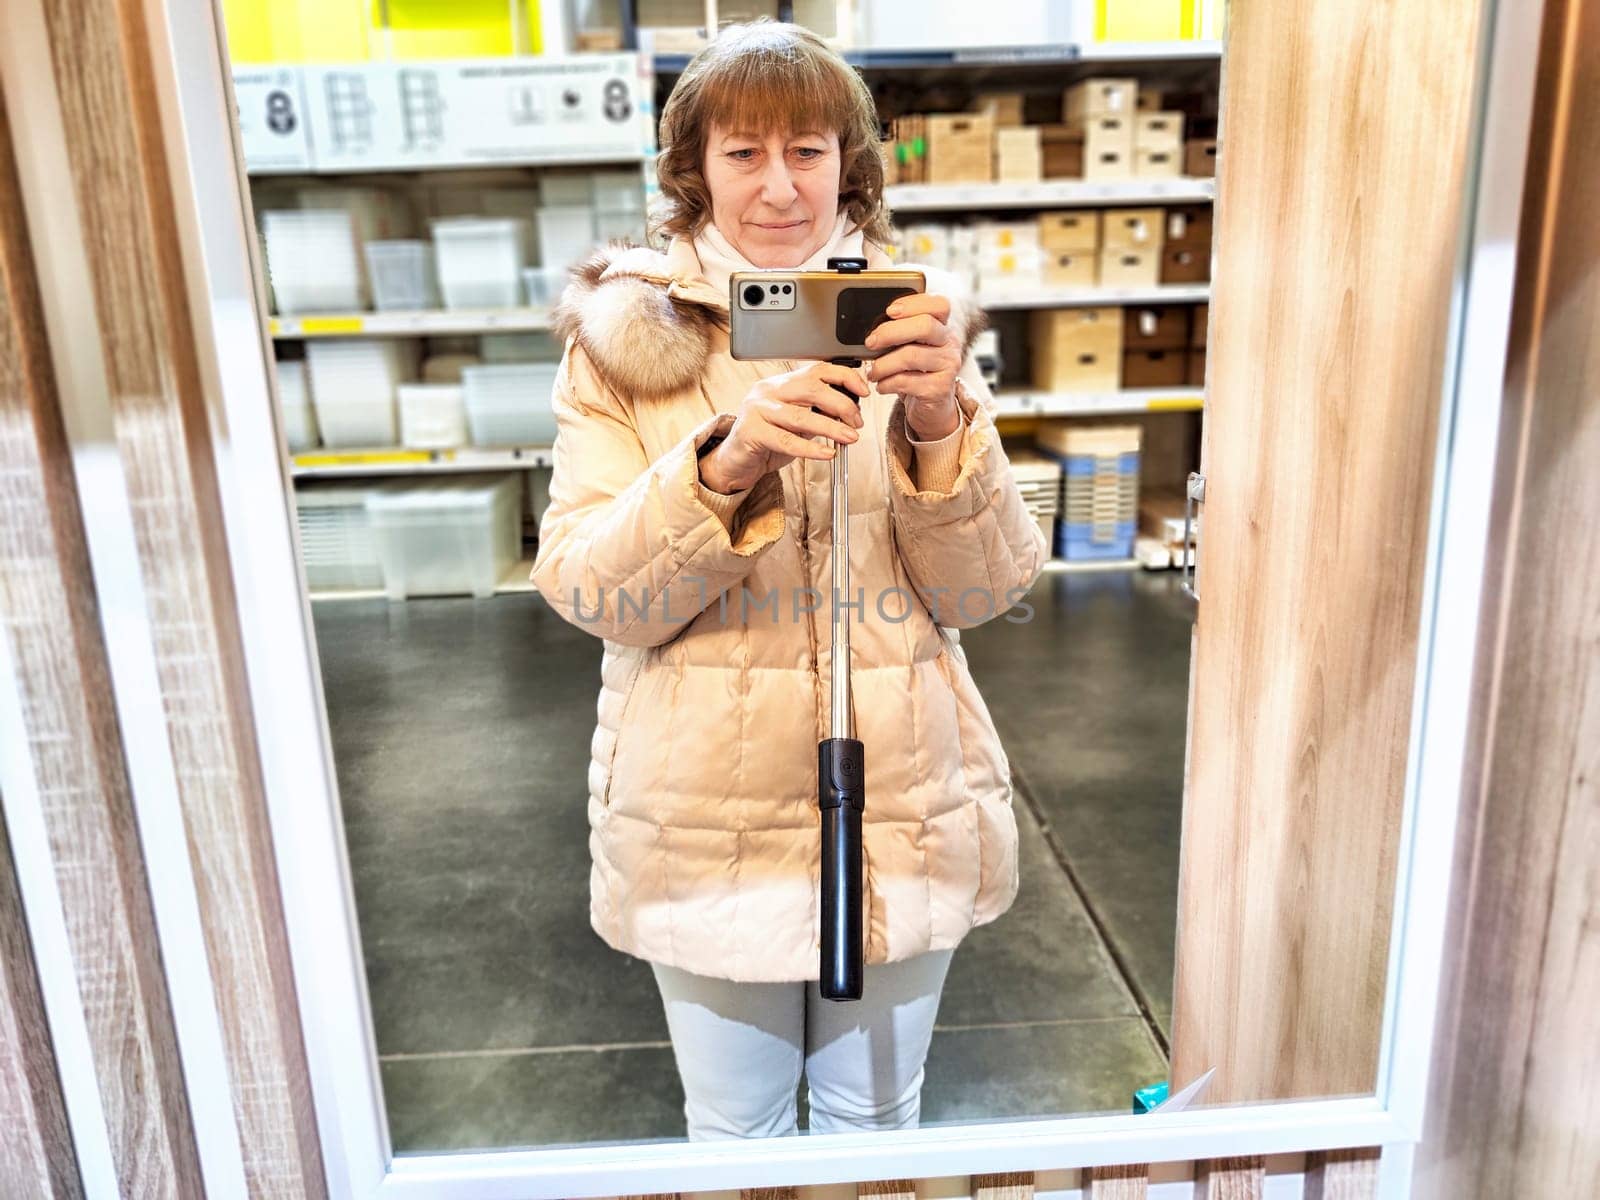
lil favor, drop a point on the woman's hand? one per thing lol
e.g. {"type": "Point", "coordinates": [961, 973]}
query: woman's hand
{"type": "Point", "coordinates": [921, 369]}
{"type": "Point", "coordinates": [775, 425]}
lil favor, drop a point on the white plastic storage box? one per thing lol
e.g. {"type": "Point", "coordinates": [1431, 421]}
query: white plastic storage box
{"type": "Point", "coordinates": [312, 261]}
{"type": "Point", "coordinates": [294, 406]}
{"type": "Point", "coordinates": [402, 275]}
{"type": "Point", "coordinates": [336, 542]}
{"type": "Point", "coordinates": [432, 416]}
{"type": "Point", "coordinates": [353, 382]}
{"type": "Point", "coordinates": [449, 537]}
{"type": "Point", "coordinates": [543, 285]}
{"type": "Point", "coordinates": [566, 234]}
{"type": "Point", "coordinates": [480, 260]}
{"type": "Point", "coordinates": [508, 404]}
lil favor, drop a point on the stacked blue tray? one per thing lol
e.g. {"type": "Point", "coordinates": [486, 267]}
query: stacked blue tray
{"type": "Point", "coordinates": [1099, 491]}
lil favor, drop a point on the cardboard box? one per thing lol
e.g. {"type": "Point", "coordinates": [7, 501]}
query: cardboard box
{"type": "Point", "coordinates": [1151, 98]}
{"type": "Point", "coordinates": [1157, 164]}
{"type": "Point", "coordinates": [1189, 225]}
{"type": "Point", "coordinates": [1158, 131]}
{"type": "Point", "coordinates": [1195, 373]}
{"type": "Point", "coordinates": [1004, 108]}
{"type": "Point", "coordinates": [1124, 267]}
{"type": "Point", "coordinates": [1018, 156]}
{"type": "Point", "coordinates": [1151, 327]}
{"type": "Point", "coordinates": [1153, 368]}
{"type": "Point", "coordinates": [1076, 349]}
{"type": "Point", "coordinates": [1075, 229]}
{"type": "Point", "coordinates": [1179, 264]}
{"type": "Point", "coordinates": [1071, 268]}
{"type": "Point", "coordinates": [960, 148]}
{"type": "Point", "coordinates": [1107, 163]}
{"type": "Point", "coordinates": [1094, 97]}
{"type": "Point", "coordinates": [1138, 228]}
{"type": "Point", "coordinates": [1061, 149]}
{"type": "Point", "coordinates": [1107, 133]}
{"type": "Point", "coordinates": [1200, 157]}
{"type": "Point", "coordinates": [1197, 326]}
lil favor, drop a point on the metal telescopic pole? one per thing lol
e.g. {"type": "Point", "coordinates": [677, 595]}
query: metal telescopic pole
{"type": "Point", "coordinates": [841, 776]}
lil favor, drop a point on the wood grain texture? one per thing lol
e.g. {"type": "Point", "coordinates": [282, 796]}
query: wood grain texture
{"type": "Point", "coordinates": [888, 1189]}
{"type": "Point", "coordinates": [779, 1193]}
{"type": "Point", "coordinates": [1345, 129]}
{"type": "Point", "coordinates": [1517, 1047]}
{"type": "Point", "coordinates": [1230, 1178]}
{"type": "Point", "coordinates": [107, 70]}
{"type": "Point", "coordinates": [49, 615]}
{"type": "Point", "coordinates": [1014, 1185]}
{"type": "Point", "coordinates": [1342, 1174]}
{"type": "Point", "coordinates": [1128, 1182]}
{"type": "Point", "coordinates": [36, 1152]}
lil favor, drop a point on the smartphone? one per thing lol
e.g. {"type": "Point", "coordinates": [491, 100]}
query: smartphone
{"type": "Point", "coordinates": [812, 314]}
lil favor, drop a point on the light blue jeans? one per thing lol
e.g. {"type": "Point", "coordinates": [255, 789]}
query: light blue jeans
{"type": "Point", "coordinates": [740, 1048]}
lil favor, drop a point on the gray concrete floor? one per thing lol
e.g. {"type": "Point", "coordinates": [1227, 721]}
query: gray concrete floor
{"type": "Point", "coordinates": [461, 732]}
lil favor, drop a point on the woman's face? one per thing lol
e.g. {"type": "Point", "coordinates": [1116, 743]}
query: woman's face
{"type": "Point", "coordinates": [774, 196]}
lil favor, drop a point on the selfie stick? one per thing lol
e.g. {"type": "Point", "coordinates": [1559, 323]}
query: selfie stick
{"type": "Point", "coordinates": [841, 771]}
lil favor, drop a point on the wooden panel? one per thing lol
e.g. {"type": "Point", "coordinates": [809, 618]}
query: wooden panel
{"type": "Point", "coordinates": [1338, 217]}
{"type": "Point", "coordinates": [1131, 1182]}
{"type": "Point", "coordinates": [1516, 1053]}
{"type": "Point", "coordinates": [1016, 1185]}
{"type": "Point", "coordinates": [1342, 1174]}
{"type": "Point", "coordinates": [1230, 1178]}
{"type": "Point", "coordinates": [36, 1156]}
{"type": "Point", "coordinates": [48, 610]}
{"type": "Point", "coordinates": [109, 71]}
{"type": "Point", "coordinates": [888, 1189]}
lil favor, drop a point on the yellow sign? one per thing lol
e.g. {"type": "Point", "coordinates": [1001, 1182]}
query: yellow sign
{"type": "Point", "coordinates": [367, 458]}
{"type": "Point", "coordinates": [1175, 403]}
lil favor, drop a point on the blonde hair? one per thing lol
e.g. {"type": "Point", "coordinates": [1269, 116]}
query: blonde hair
{"type": "Point", "coordinates": [763, 77]}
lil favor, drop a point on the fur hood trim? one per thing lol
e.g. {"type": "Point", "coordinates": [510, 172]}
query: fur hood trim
{"type": "Point", "coordinates": [647, 327]}
{"type": "Point", "coordinates": [620, 309]}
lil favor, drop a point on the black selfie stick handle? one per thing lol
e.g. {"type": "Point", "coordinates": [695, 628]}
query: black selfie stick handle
{"type": "Point", "coordinates": [841, 796]}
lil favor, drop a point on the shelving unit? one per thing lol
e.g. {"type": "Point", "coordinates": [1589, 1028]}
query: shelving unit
{"type": "Point", "coordinates": [1052, 193]}
{"type": "Point", "coordinates": [1040, 68]}
{"type": "Point", "coordinates": [1168, 293]}
{"type": "Point", "coordinates": [435, 323]}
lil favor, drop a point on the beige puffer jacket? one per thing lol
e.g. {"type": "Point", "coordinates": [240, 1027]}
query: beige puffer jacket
{"type": "Point", "coordinates": [704, 829]}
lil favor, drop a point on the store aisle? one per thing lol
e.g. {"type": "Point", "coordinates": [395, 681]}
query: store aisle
{"type": "Point", "coordinates": [461, 731]}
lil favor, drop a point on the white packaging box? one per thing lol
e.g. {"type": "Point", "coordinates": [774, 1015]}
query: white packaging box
{"type": "Point", "coordinates": [615, 191]}
{"type": "Point", "coordinates": [432, 416]}
{"type": "Point", "coordinates": [518, 348]}
{"type": "Point", "coordinates": [336, 543]}
{"type": "Point", "coordinates": [619, 225]}
{"type": "Point", "coordinates": [480, 260]}
{"type": "Point", "coordinates": [542, 286]}
{"type": "Point", "coordinates": [998, 236]}
{"type": "Point", "coordinates": [926, 245]}
{"type": "Point", "coordinates": [312, 261]}
{"type": "Point", "coordinates": [353, 382]}
{"type": "Point", "coordinates": [508, 404]}
{"type": "Point", "coordinates": [447, 537]}
{"type": "Point", "coordinates": [938, 24]}
{"type": "Point", "coordinates": [1009, 270]}
{"type": "Point", "coordinates": [402, 276]}
{"type": "Point", "coordinates": [294, 406]}
{"type": "Point", "coordinates": [566, 234]}
{"type": "Point", "coordinates": [566, 187]}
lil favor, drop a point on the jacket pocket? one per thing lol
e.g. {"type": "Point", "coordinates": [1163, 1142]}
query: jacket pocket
{"type": "Point", "coordinates": [630, 690]}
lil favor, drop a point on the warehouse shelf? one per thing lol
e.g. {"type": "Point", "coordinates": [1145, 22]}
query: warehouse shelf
{"type": "Point", "coordinates": [1025, 402]}
{"type": "Point", "coordinates": [315, 464]}
{"type": "Point", "coordinates": [436, 322]}
{"type": "Point", "coordinates": [516, 581]}
{"type": "Point", "coordinates": [1046, 297]}
{"type": "Point", "coordinates": [1049, 193]}
{"type": "Point", "coordinates": [978, 57]}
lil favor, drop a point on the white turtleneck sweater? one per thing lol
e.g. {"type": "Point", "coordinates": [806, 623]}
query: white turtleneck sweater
{"type": "Point", "coordinates": [937, 462]}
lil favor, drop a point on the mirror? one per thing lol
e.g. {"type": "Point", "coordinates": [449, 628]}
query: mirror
{"type": "Point", "coordinates": [506, 778]}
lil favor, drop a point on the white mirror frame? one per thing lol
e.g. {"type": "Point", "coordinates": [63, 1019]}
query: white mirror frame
{"type": "Point", "coordinates": [286, 693]}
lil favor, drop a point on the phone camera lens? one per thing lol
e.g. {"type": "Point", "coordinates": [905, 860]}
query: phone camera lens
{"type": "Point", "coordinates": [773, 289]}
{"type": "Point", "coordinates": [753, 294]}
{"type": "Point", "coordinates": [787, 289]}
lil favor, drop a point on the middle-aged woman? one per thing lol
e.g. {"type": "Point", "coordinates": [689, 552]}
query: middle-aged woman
{"type": "Point", "coordinates": [689, 527]}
